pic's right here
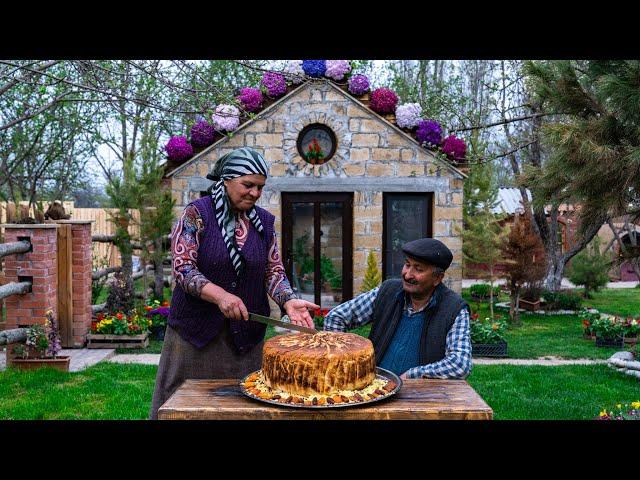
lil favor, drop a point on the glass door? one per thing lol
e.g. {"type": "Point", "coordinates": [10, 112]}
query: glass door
{"type": "Point", "coordinates": [317, 245]}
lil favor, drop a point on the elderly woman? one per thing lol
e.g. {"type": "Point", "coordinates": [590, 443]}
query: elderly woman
{"type": "Point", "coordinates": [225, 261]}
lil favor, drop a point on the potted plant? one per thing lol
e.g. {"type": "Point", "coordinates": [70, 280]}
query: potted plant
{"type": "Point", "coordinates": [631, 327]}
{"type": "Point", "coordinates": [609, 332]}
{"type": "Point", "coordinates": [41, 347]}
{"type": "Point", "coordinates": [119, 330]}
{"type": "Point", "coordinates": [487, 337]}
{"type": "Point", "coordinates": [158, 314]}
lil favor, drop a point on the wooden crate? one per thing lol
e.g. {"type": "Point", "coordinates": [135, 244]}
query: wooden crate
{"type": "Point", "coordinates": [95, 340]}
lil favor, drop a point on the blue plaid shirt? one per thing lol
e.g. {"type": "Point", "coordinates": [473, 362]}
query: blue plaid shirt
{"type": "Point", "coordinates": [456, 363]}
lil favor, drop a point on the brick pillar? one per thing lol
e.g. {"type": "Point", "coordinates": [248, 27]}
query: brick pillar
{"type": "Point", "coordinates": [82, 266]}
{"type": "Point", "coordinates": [40, 264]}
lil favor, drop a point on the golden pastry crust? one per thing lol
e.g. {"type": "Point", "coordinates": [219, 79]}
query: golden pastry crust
{"type": "Point", "coordinates": [318, 364]}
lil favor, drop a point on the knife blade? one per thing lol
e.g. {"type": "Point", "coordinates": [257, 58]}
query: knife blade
{"type": "Point", "coordinates": [280, 323]}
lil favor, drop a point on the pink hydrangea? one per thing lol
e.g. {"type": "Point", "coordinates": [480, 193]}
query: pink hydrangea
{"type": "Point", "coordinates": [274, 83]}
{"type": "Point", "coordinates": [408, 115]}
{"type": "Point", "coordinates": [178, 148]}
{"type": "Point", "coordinates": [337, 69]}
{"type": "Point", "coordinates": [454, 148]}
{"type": "Point", "coordinates": [226, 118]}
{"type": "Point", "coordinates": [251, 99]}
{"type": "Point", "coordinates": [383, 100]}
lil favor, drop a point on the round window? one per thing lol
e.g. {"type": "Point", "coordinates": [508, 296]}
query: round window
{"type": "Point", "coordinates": [317, 143]}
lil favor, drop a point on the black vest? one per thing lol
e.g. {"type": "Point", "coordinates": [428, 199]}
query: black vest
{"type": "Point", "coordinates": [387, 312]}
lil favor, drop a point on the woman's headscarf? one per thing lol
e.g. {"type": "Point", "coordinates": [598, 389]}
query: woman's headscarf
{"type": "Point", "coordinates": [239, 162]}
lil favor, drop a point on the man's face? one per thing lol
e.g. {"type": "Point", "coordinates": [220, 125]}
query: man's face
{"type": "Point", "coordinates": [417, 277]}
{"type": "Point", "coordinates": [244, 192]}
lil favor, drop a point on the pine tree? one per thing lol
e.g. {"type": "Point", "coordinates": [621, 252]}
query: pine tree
{"type": "Point", "coordinates": [589, 268]}
{"type": "Point", "coordinates": [372, 276]}
{"type": "Point", "coordinates": [484, 234]}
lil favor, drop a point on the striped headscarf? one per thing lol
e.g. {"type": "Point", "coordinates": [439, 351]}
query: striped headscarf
{"type": "Point", "coordinates": [239, 162]}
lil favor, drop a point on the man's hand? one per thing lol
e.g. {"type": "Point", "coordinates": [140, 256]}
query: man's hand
{"type": "Point", "coordinates": [233, 307]}
{"type": "Point", "coordinates": [404, 376]}
{"type": "Point", "coordinates": [298, 313]}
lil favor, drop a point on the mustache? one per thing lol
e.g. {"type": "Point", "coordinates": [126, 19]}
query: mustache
{"type": "Point", "coordinates": [411, 282]}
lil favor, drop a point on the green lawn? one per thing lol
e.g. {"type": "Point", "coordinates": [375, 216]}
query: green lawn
{"type": "Point", "coordinates": [575, 392]}
{"type": "Point", "coordinates": [619, 301]}
{"type": "Point", "coordinates": [123, 392]}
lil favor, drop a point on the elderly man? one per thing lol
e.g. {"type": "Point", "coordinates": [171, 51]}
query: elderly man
{"type": "Point", "coordinates": [420, 328]}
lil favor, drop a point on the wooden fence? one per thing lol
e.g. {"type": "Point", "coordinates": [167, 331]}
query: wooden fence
{"type": "Point", "coordinates": [104, 254]}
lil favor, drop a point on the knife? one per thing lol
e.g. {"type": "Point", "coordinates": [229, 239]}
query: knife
{"type": "Point", "coordinates": [281, 323]}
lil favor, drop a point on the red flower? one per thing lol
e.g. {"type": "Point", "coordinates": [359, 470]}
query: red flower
{"type": "Point", "coordinates": [99, 317]}
{"type": "Point", "coordinates": [586, 323]}
{"type": "Point", "coordinates": [165, 303]}
{"type": "Point", "coordinates": [474, 316]}
{"type": "Point", "coordinates": [119, 316]}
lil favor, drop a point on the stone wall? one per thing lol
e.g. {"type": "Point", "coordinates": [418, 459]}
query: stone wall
{"type": "Point", "coordinates": [372, 157]}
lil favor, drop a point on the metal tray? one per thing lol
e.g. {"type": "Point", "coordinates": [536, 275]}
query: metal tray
{"type": "Point", "coordinates": [380, 373]}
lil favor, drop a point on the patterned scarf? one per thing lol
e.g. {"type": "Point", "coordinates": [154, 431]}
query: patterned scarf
{"type": "Point", "coordinates": [239, 162]}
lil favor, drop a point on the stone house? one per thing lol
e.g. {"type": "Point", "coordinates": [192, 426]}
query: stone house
{"type": "Point", "coordinates": [377, 189]}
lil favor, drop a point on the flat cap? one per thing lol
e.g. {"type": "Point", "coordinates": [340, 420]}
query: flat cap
{"type": "Point", "coordinates": [430, 251]}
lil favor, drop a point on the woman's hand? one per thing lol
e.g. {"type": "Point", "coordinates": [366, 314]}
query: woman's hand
{"type": "Point", "coordinates": [232, 307]}
{"type": "Point", "coordinates": [298, 313]}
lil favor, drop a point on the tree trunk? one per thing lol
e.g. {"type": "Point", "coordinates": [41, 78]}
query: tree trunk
{"type": "Point", "coordinates": [14, 288]}
{"type": "Point", "coordinates": [14, 247]}
{"type": "Point", "coordinates": [15, 335]}
{"type": "Point", "coordinates": [159, 270]}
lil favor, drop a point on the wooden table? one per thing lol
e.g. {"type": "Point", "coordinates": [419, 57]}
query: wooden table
{"type": "Point", "coordinates": [418, 399]}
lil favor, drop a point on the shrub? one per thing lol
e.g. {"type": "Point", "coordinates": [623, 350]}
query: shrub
{"type": "Point", "coordinates": [561, 300]}
{"type": "Point", "coordinates": [372, 276]}
{"type": "Point", "coordinates": [481, 290]}
{"type": "Point", "coordinates": [589, 268]}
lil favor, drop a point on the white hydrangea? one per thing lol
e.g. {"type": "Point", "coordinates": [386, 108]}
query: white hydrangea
{"type": "Point", "coordinates": [337, 69]}
{"type": "Point", "coordinates": [293, 71]}
{"type": "Point", "coordinates": [226, 117]}
{"type": "Point", "coordinates": [408, 115]}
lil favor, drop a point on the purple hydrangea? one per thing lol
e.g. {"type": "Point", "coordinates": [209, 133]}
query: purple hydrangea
{"type": "Point", "coordinates": [383, 100]}
{"type": "Point", "coordinates": [274, 83]}
{"type": "Point", "coordinates": [202, 133]}
{"type": "Point", "coordinates": [359, 84]}
{"type": "Point", "coordinates": [226, 117]}
{"type": "Point", "coordinates": [454, 148]}
{"type": "Point", "coordinates": [251, 99]}
{"type": "Point", "coordinates": [294, 72]}
{"type": "Point", "coordinates": [408, 115]}
{"type": "Point", "coordinates": [314, 68]}
{"type": "Point", "coordinates": [178, 148]}
{"type": "Point", "coordinates": [337, 69]}
{"type": "Point", "coordinates": [429, 132]}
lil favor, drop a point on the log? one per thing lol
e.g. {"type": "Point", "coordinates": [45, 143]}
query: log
{"type": "Point", "coordinates": [142, 273]}
{"type": "Point", "coordinates": [15, 335]}
{"type": "Point", "coordinates": [101, 307]}
{"type": "Point", "coordinates": [14, 288]}
{"type": "Point", "coordinates": [103, 238]}
{"type": "Point", "coordinates": [105, 271]}
{"type": "Point", "coordinates": [14, 247]}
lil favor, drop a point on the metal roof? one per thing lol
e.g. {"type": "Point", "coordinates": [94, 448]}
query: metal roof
{"type": "Point", "coordinates": [509, 201]}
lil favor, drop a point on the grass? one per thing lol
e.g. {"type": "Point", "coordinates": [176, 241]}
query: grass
{"type": "Point", "coordinates": [124, 391]}
{"type": "Point", "coordinates": [575, 392]}
{"type": "Point", "coordinates": [103, 392]}
{"type": "Point", "coordinates": [618, 301]}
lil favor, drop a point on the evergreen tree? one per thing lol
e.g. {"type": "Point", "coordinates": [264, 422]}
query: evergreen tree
{"type": "Point", "coordinates": [589, 268]}
{"type": "Point", "coordinates": [372, 276]}
{"type": "Point", "coordinates": [483, 234]}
